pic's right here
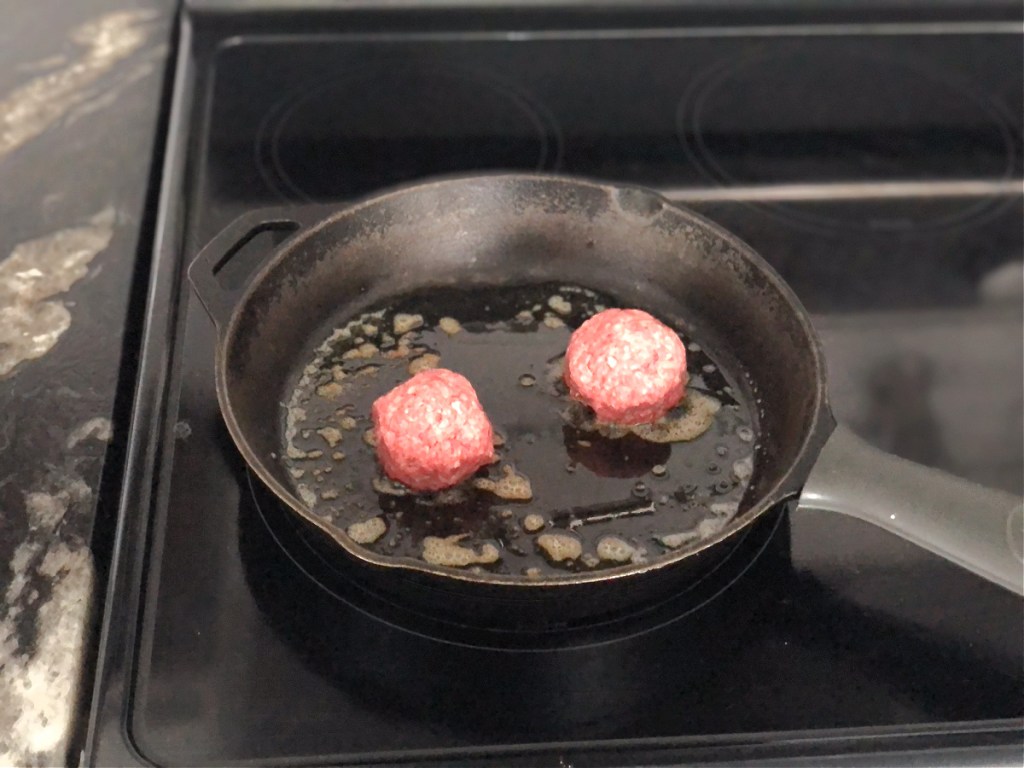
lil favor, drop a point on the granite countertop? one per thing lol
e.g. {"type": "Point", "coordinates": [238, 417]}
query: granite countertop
{"type": "Point", "coordinates": [81, 86]}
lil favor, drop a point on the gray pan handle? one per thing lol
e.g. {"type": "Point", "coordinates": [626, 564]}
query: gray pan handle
{"type": "Point", "coordinates": [975, 527]}
{"type": "Point", "coordinates": [220, 301]}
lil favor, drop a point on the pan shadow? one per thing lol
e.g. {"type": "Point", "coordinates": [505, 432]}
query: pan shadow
{"type": "Point", "coordinates": [589, 682]}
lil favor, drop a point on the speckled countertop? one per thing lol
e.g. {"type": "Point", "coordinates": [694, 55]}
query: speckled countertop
{"type": "Point", "coordinates": [80, 92]}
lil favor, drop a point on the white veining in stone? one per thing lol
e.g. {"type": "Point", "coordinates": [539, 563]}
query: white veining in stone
{"type": "Point", "coordinates": [42, 65]}
{"type": "Point", "coordinates": [31, 321]}
{"type": "Point", "coordinates": [149, 64]}
{"type": "Point", "coordinates": [41, 688]}
{"type": "Point", "coordinates": [39, 103]}
{"type": "Point", "coordinates": [99, 428]}
{"type": "Point", "coordinates": [39, 684]}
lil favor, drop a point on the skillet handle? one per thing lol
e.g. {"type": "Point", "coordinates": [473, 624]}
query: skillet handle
{"type": "Point", "coordinates": [219, 299]}
{"type": "Point", "coordinates": [977, 528]}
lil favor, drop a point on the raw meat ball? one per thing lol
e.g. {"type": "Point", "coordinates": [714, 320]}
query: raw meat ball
{"type": "Point", "coordinates": [431, 431]}
{"type": "Point", "coordinates": [627, 366]}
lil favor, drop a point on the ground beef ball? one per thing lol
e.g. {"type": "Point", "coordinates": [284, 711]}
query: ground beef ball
{"type": "Point", "coordinates": [627, 366]}
{"type": "Point", "coordinates": [432, 433]}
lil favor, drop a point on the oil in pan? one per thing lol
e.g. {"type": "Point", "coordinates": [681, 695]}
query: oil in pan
{"type": "Point", "coordinates": [564, 494]}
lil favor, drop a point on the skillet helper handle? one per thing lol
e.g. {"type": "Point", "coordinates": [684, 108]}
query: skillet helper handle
{"type": "Point", "coordinates": [219, 300]}
{"type": "Point", "coordinates": [978, 528]}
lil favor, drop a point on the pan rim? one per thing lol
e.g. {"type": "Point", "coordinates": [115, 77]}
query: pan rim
{"type": "Point", "coordinates": [787, 486]}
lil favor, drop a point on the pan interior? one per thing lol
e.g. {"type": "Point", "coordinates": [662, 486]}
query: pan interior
{"type": "Point", "coordinates": [481, 233]}
{"type": "Point", "coordinates": [623, 499]}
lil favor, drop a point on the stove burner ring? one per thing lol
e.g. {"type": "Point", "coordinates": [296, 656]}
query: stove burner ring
{"type": "Point", "coordinates": [395, 123]}
{"type": "Point", "coordinates": [292, 538]}
{"type": "Point", "coordinates": [695, 104]}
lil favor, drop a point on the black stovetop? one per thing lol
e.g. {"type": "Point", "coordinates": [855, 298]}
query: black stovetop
{"type": "Point", "coordinates": [877, 167]}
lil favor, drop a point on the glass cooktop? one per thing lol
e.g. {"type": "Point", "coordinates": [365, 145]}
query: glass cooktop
{"type": "Point", "coordinates": [877, 167]}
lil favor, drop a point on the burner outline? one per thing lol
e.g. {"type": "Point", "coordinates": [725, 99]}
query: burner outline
{"type": "Point", "coordinates": [268, 134]}
{"type": "Point", "coordinates": [707, 82]}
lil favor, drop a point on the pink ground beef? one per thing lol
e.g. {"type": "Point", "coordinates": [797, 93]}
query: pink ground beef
{"type": "Point", "coordinates": [431, 431]}
{"type": "Point", "coordinates": [627, 366]}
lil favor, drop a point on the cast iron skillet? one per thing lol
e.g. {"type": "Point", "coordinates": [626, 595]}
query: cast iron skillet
{"type": "Point", "coordinates": [624, 241]}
